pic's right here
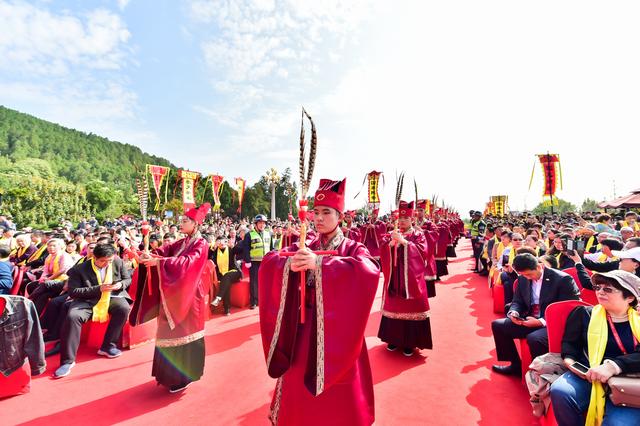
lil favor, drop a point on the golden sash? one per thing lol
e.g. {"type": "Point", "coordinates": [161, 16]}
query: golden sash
{"type": "Point", "coordinates": [597, 336]}
{"type": "Point", "coordinates": [223, 260]}
{"type": "Point", "coordinates": [101, 309]}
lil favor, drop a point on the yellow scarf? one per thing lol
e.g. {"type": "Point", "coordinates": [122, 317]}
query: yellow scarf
{"type": "Point", "coordinates": [597, 336]}
{"type": "Point", "coordinates": [223, 260]}
{"type": "Point", "coordinates": [37, 253]}
{"type": "Point", "coordinates": [499, 250]}
{"type": "Point", "coordinates": [101, 309]}
{"type": "Point", "coordinates": [635, 226]}
{"type": "Point", "coordinates": [604, 258]}
{"type": "Point", "coordinates": [512, 255]}
{"type": "Point", "coordinates": [55, 267]}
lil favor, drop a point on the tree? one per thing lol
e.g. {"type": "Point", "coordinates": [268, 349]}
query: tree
{"type": "Point", "coordinates": [562, 207]}
{"type": "Point", "coordinates": [589, 205]}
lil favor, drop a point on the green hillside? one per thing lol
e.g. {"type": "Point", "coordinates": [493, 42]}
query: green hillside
{"type": "Point", "coordinates": [48, 171]}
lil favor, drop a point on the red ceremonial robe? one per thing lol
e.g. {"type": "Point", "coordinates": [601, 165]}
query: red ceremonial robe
{"type": "Point", "coordinates": [371, 236]}
{"type": "Point", "coordinates": [431, 236]}
{"type": "Point", "coordinates": [405, 294]}
{"type": "Point", "coordinates": [182, 293]}
{"type": "Point", "coordinates": [352, 233]}
{"type": "Point", "coordinates": [322, 366]}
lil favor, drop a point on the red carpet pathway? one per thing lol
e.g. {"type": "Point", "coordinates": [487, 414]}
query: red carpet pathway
{"type": "Point", "coordinates": [449, 385]}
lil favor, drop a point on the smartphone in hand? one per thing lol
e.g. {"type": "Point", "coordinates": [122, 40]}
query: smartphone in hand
{"type": "Point", "coordinates": [579, 369]}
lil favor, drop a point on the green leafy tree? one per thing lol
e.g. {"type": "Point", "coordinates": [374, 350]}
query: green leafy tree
{"type": "Point", "coordinates": [562, 207]}
{"type": "Point", "coordinates": [589, 205]}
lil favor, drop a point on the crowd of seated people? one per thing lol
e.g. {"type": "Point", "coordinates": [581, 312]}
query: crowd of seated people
{"type": "Point", "coordinates": [526, 255]}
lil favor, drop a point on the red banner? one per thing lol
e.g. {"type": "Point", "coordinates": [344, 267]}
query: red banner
{"type": "Point", "coordinates": [216, 186]}
{"type": "Point", "coordinates": [552, 175]}
{"type": "Point", "coordinates": [158, 173]}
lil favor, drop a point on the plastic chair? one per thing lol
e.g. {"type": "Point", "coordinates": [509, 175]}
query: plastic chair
{"type": "Point", "coordinates": [589, 296]}
{"type": "Point", "coordinates": [17, 383]}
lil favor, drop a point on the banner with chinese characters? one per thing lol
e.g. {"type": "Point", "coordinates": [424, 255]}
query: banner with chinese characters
{"type": "Point", "coordinates": [240, 187]}
{"type": "Point", "coordinates": [189, 181]}
{"type": "Point", "coordinates": [158, 175]}
{"type": "Point", "coordinates": [499, 205]}
{"type": "Point", "coordinates": [552, 173]}
{"type": "Point", "coordinates": [217, 182]}
{"type": "Point", "coordinates": [373, 179]}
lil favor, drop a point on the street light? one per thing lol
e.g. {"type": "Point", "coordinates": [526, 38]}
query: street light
{"type": "Point", "coordinates": [273, 179]}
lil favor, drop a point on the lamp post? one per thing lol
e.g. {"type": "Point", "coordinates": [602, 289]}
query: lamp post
{"type": "Point", "coordinates": [273, 179]}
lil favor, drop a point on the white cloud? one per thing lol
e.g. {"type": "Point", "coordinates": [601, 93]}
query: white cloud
{"type": "Point", "coordinates": [122, 4]}
{"type": "Point", "coordinates": [40, 42]}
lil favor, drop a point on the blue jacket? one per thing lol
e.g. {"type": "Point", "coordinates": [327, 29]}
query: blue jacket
{"type": "Point", "coordinates": [6, 277]}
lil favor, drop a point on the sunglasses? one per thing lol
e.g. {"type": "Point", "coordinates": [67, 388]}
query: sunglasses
{"type": "Point", "coordinates": [516, 239]}
{"type": "Point", "coordinates": [607, 289]}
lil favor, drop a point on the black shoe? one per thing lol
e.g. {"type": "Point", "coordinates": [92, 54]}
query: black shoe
{"type": "Point", "coordinates": [178, 388]}
{"type": "Point", "coordinates": [484, 274]}
{"type": "Point", "coordinates": [53, 351]}
{"type": "Point", "coordinates": [391, 347]}
{"type": "Point", "coordinates": [407, 351]}
{"type": "Point", "coordinates": [507, 370]}
{"type": "Point", "coordinates": [227, 313]}
{"type": "Point", "coordinates": [252, 307]}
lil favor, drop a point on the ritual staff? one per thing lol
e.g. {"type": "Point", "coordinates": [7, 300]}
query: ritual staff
{"type": "Point", "coordinates": [371, 233]}
{"type": "Point", "coordinates": [405, 306]}
{"type": "Point", "coordinates": [179, 354]}
{"type": "Point", "coordinates": [350, 231]}
{"type": "Point", "coordinates": [431, 236]}
{"type": "Point", "coordinates": [322, 366]}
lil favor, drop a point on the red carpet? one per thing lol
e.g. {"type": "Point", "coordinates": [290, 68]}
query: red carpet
{"type": "Point", "coordinates": [449, 385]}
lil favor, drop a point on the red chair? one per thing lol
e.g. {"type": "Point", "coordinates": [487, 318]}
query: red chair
{"type": "Point", "coordinates": [18, 275]}
{"type": "Point", "coordinates": [497, 292]}
{"type": "Point", "coordinates": [589, 296]}
{"type": "Point", "coordinates": [240, 296]}
{"type": "Point", "coordinates": [556, 316]}
{"type": "Point", "coordinates": [574, 274]}
{"type": "Point", "coordinates": [17, 383]}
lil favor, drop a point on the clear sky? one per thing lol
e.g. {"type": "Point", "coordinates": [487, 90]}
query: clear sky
{"type": "Point", "coordinates": [459, 94]}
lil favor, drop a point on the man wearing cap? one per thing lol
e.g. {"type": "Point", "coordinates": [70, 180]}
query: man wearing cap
{"type": "Point", "coordinates": [405, 305]}
{"type": "Point", "coordinates": [348, 229]}
{"type": "Point", "coordinates": [178, 298]}
{"type": "Point", "coordinates": [371, 234]}
{"type": "Point", "coordinates": [477, 238]}
{"type": "Point", "coordinates": [257, 243]}
{"type": "Point", "coordinates": [322, 366]}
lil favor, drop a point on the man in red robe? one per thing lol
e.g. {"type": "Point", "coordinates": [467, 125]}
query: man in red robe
{"type": "Point", "coordinates": [348, 229]}
{"type": "Point", "coordinates": [371, 234]}
{"type": "Point", "coordinates": [322, 366]}
{"type": "Point", "coordinates": [179, 298]}
{"type": "Point", "coordinates": [405, 306]}
{"type": "Point", "coordinates": [431, 236]}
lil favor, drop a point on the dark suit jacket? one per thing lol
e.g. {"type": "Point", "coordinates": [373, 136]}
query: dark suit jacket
{"type": "Point", "coordinates": [83, 283]}
{"type": "Point", "coordinates": [556, 286]}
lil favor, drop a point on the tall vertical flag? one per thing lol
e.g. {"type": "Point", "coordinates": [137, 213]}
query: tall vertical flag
{"type": "Point", "coordinates": [498, 205]}
{"type": "Point", "coordinates": [552, 173]}
{"type": "Point", "coordinates": [189, 181]}
{"type": "Point", "coordinates": [217, 182]}
{"type": "Point", "coordinates": [240, 187]}
{"type": "Point", "coordinates": [158, 174]}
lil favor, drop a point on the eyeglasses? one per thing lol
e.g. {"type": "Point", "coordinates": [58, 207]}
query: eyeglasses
{"type": "Point", "coordinates": [607, 289]}
{"type": "Point", "coordinates": [516, 239]}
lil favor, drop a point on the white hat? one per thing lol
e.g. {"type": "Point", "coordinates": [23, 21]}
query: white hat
{"type": "Point", "coordinates": [632, 253]}
{"type": "Point", "coordinates": [626, 229]}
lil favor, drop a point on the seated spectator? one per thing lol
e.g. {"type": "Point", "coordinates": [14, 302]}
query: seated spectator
{"type": "Point", "coordinates": [626, 232]}
{"type": "Point", "coordinates": [23, 251]}
{"type": "Point", "coordinates": [72, 251]}
{"type": "Point", "coordinates": [226, 270]}
{"type": "Point", "coordinates": [95, 285]}
{"type": "Point", "coordinates": [605, 339]}
{"type": "Point", "coordinates": [168, 239]}
{"type": "Point", "coordinates": [508, 275]}
{"type": "Point", "coordinates": [537, 288]}
{"type": "Point", "coordinates": [603, 224]}
{"type": "Point", "coordinates": [559, 250]}
{"type": "Point", "coordinates": [53, 276]}
{"type": "Point", "coordinates": [612, 264]}
{"type": "Point", "coordinates": [6, 270]}
{"type": "Point", "coordinates": [605, 254]}
{"type": "Point", "coordinates": [549, 261]}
